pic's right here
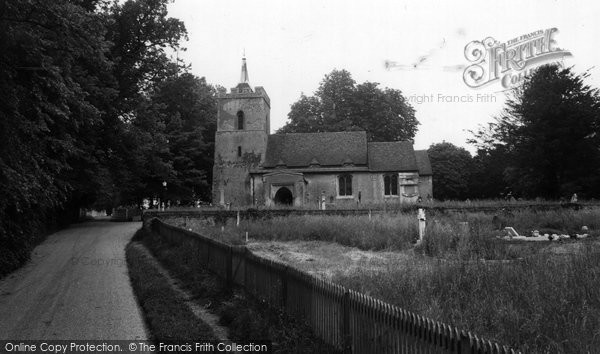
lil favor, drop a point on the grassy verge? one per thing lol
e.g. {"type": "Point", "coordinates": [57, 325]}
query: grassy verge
{"type": "Point", "coordinates": [167, 315]}
{"type": "Point", "coordinates": [246, 319]}
{"type": "Point", "coordinates": [539, 305]}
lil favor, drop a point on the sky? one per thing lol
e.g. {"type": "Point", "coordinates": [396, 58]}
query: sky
{"type": "Point", "coordinates": [291, 45]}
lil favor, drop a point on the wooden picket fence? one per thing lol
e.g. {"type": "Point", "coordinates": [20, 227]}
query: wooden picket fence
{"type": "Point", "coordinates": [346, 319]}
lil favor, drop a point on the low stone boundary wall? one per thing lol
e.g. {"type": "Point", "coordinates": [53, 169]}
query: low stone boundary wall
{"type": "Point", "coordinates": [126, 214]}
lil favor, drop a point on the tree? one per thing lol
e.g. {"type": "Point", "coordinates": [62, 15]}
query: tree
{"type": "Point", "coordinates": [487, 178]}
{"type": "Point", "coordinates": [339, 104]}
{"type": "Point", "coordinates": [51, 57]}
{"type": "Point", "coordinates": [452, 168]}
{"type": "Point", "coordinates": [188, 106]}
{"type": "Point", "coordinates": [549, 134]}
{"type": "Point", "coordinates": [82, 122]}
{"type": "Point", "coordinates": [140, 31]}
{"type": "Point", "coordinates": [305, 116]}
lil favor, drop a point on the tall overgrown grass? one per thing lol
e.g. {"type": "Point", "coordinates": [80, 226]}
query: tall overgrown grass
{"type": "Point", "coordinates": [376, 233]}
{"type": "Point", "coordinates": [398, 206]}
{"type": "Point", "coordinates": [540, 304]}
{"type": "Point", "coordinates": [445, 236]}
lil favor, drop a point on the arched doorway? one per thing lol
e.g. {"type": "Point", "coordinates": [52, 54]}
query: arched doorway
{"type": "Point", "coordinates": [284, 196]}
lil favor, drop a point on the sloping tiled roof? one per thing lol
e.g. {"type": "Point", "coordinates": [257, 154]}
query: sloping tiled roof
{"type": "Point", "coordinates": [392, 156]}
{"type": "Point", "coordinates": [328, 149]}
{"type": "Point", "coordinates": [423, 163]}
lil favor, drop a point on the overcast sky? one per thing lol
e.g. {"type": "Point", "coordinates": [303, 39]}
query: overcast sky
{"type": "Point", "coordinates": [291, 45]}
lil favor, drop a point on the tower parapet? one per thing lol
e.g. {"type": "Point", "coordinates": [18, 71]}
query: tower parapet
{"type": "Point", "coordinates": [245, 91]}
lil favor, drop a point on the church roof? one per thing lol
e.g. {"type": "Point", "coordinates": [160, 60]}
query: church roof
{"type": "Point", "coordinates": [423, 163]}
{"type": "Point", "coordinates": [343, 150]}
{"type": "Point", "coordinates": [328, 149]}
{"type": "Point", "coordinates": [392, 156]}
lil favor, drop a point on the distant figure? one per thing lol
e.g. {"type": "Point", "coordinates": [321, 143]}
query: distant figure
{"type": "Point", "coordinates": [429, 198]}
{"type": "Point", "coordinates": [574, 198]}
{"type": "Point", "coordinates": [419, 200]}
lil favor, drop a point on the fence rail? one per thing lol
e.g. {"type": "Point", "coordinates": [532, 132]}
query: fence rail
{"type": "Point", "coordinates": [346, 319]}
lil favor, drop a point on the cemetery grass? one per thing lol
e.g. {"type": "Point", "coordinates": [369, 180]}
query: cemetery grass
{"type": "Point", "coordinates": [531, 297]}
{"type": "Point", "coordinates": [398, 231]}
{"type": "Point", "coordinates": [539, 304]}
{"type": "Point", "coordinates": [400, 207]}
{"type": "Point", "coordinates": [378, 233]}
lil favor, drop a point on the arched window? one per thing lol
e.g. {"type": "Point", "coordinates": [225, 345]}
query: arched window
{"type": "Point", "coordinates": [239, 151]}
{"type": "Point", "coordinates": [390, 184]}
{"type": "Point", "coordinates": [240, 120]}
{"type": "Point", "coordinates": [345, 185]}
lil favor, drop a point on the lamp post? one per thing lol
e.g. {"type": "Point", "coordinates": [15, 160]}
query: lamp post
{"type": "Point", "coordinates": [164, 198]}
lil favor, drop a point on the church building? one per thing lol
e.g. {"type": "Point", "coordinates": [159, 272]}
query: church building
{"type": "Point", "coordinates": [254, 168]}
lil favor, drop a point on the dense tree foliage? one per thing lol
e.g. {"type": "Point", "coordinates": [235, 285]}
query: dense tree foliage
{"type": "Point", "coordinates": [487, 174]}
{"type": "Point", "coordinates": [452, 167]}
{"type": "Point", "coordinates": [547, 140]}
{"type": "Point", "coordinates": [94, 113]}
{"type": "Point", "coordinates": [188, 115]}
{"type": "Point", "coordinates": [545, 143]}
{"type": "Point", "coordinates": [340, 104]}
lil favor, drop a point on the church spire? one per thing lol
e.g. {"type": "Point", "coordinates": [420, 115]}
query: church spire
{"type": "Point", "coordinates": [244, 77]}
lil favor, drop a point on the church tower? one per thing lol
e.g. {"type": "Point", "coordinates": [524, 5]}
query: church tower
{"type": "Point", "coordinates": [243, 124]}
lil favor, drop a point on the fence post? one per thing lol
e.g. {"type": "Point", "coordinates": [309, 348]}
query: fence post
{"type": "Point", "coordinates": [346, 322]}
{"type": "Point", "coordinates": [229, 267]}
{"type": "Point", "coordinates": [246, 268]}
{"type": "Point", "coordinates": [465, 343]}
{"type": "Point", "coordinates": [421, 217]}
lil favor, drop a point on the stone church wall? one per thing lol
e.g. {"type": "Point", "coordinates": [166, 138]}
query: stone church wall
{"type": "Point", "coordinates": [425, 186]}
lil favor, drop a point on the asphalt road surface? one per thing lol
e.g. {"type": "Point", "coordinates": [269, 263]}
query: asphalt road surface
{"type": "Point", "coordinates": [75, 287]}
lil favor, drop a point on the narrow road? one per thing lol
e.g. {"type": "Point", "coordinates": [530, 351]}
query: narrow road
{"type": "Point", "coordinates": [75, 287]}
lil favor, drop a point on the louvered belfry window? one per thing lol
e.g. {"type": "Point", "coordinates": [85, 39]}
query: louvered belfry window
{"type": "Point", "coordinates": [240, 120]}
